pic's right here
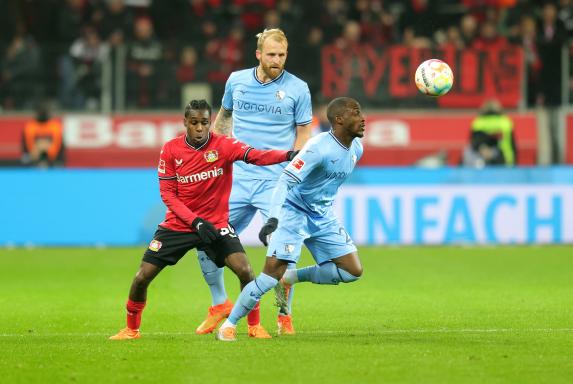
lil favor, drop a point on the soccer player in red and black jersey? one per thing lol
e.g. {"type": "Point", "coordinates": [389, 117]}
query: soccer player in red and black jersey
{"type": "Point", "coordinates": [195, 177]}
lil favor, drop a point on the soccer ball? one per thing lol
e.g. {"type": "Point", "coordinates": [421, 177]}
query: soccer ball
{"type": "Point", "coordinates": [434, 78]}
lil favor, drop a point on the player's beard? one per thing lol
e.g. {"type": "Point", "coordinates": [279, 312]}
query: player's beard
{"type": "Point", "coordinates": [272, 73]}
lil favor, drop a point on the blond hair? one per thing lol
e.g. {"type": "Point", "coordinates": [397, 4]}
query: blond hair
{"type": "Point", "coordinates": [275, 33]}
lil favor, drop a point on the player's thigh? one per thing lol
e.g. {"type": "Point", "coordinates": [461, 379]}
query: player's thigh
{"type": "Point", "coordinates": [227, 244]}
{"type": "Point", "coordinates": [287, 240]}
{"type": "Point", "coordinates": [168, 247]}
{"type": "Point", "coordinates": [329, 240]}
{"type": "Point", "coordinates": [262, 196]}
{"type": "Point", "coordinates": [241, 211]}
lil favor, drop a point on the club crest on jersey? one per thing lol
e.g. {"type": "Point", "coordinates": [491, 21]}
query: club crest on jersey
{"type": "Point", "coordinates": [289, 248]}
{"type": "Point", "coordinates": [211, 155]}
{"type": "Point", "coordinates": [161, 166]}
{"type": "Point", "coordinates": [155, 245]}
{"type": "Point", "coordinates": [280, 95]}
{"type": "Point", "coordinates": [298, 164]}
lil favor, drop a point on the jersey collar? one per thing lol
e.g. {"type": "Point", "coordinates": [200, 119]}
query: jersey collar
{"type": "Point", "coordinates": [270, 82]}
{"type": "Point", "coordinates": [201, 146]}
{"type": "Point", "coordinates": [339, 143]}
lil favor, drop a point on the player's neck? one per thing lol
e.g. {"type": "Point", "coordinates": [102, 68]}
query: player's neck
{"type": "Point", "coordinates": [262, 76]}
{"type": "Point", "coordinates": [344, 138]}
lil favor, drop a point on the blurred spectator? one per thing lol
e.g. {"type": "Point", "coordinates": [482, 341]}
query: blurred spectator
{"type": "Point", "coordinates": [226, 54]}
{"type": "Point", "coordinates": [489, 38]}
{"type": "Point", "coordinates": [70, 21]}
{"type": "Point", "coordinates": [566, 16]}
{"type": "Point", "coordinates": [42, 143]}
{"type": "Point", "coordinates": [144, 55]}
{"type": "Point", "coordinates": [187, 71]}
{"type": "Point", "coordinates": [19, 73]}
{"type": "Point", "coordinates": [116, 23]}
{"type": "Point", "coordinates": [468, 29]}
{"type": "Point", "coordinates": [81, 71]}
{"type": "Point", "coordinates": [351, 36]}
{"type": "Point", "coordinates": [492, 140]}
{"type": "Point", "coordinates": [527, 39]}
{"type": "Point", "coordinates": [550, 43]}
{"type": "Point", "coordinates": [452, 38]}
{"type": "Point", "coordinates": [306, 59]}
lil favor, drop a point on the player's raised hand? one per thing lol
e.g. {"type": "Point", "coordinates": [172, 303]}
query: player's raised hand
{"type": "Point", "coordinates": [291, 155]}
{"type": "Point", "coordinates": [206, 231]}
{"type": "Point", "coordinates": [269, 227]}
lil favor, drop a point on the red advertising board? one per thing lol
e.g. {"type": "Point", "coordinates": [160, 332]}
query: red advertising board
{"type": "Point", "coordinates": [391, 139]}
{"type": "Point", "coordinates": [404, 139]}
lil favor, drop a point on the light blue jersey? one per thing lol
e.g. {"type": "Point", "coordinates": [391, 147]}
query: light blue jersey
{"type": "Point", "coordinates": [303, 198]}
{"type": "Point", "coordinates": [314, 176]}
{"type": "Point", "coordinates": [265, 115]}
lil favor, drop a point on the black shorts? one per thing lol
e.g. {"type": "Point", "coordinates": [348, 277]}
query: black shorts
{"type": "Point", "coordinates": [168, 247]}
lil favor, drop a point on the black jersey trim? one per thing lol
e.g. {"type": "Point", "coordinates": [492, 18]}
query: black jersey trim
{"type": "Point", "coordinates": [305, 123]}
{"type": "Point", "coordinates": [292, 175]}
{"type": "Point", "coordinates": [167, 178]}
{"type": "Point", "coordinates": [339, 143]}
{"type": "Point", "coordinates": [246, 153]}
{"type": "Point", "coordinates": [201, 146]}
{"type": "Point", "coordinates": [270, 82]}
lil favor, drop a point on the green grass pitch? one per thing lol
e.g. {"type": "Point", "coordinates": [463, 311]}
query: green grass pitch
{"type": "Point", "coordinates": [418, 315]}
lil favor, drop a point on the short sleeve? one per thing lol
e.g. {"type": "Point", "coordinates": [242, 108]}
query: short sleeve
{"type": "Point", "coordinates": [303, 109]}
{"type": "Point", "coordinates": [304, 163]}
{"type": "Point", "coordinates": [227, 101]}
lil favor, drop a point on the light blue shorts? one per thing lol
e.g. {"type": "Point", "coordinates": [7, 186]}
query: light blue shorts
{"type": "Point", "coordinates": [248, 196]}
{"type": "Point", "coordinates": [325, 237]}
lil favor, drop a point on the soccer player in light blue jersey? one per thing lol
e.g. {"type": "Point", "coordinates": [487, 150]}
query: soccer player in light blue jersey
{"type": "Point", "coordinates": [268, 108]}
{"type": "Point", "coordinates": [302, 213]}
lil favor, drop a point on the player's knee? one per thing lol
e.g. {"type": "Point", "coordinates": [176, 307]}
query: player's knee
{"type": "Point", "coordinates": [245, 274]}
{"type": "Point", "coordinates": [350, 276]}
{"type": "Point", "coordinates": [141, 280]}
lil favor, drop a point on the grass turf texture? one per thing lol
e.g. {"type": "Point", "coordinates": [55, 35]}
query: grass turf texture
{"type": "Point", "coordinates": [460, 315]}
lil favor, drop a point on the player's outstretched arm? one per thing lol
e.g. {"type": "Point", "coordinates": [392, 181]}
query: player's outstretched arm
{"type": "Point", "coordinates": [223, 122]}
{"type": "Point", "coordinates": [267, 157]}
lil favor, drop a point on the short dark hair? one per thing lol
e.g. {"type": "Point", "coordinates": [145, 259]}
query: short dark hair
{"type": "Point", "coordinates": [336, 108]}
{"type": "Point", "coordinates": [196, 105]}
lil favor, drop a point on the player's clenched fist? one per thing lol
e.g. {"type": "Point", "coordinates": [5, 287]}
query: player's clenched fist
{"type": "Point", "coordinates": [206, 231]}
{"type": "Point", "coordinates": [269, 227]}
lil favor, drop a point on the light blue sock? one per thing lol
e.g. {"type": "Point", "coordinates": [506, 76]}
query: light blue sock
{"type": "Point", "coordinates": [327, 273]}
{"type": "Point", "coordinates": [290, 294]}
{"type": "Point", "coordinates": [250, 296]}
{"type": "Point", "coordinates": [214, 278]}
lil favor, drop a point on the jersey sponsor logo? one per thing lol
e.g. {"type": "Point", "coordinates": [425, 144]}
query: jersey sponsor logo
{"type": "Point", "coordinates": [196, 177]}
{"type": "Point", "coordinates": [161, 166]}
{"type": "Point", "coordinates": [336, 175]}
{"type": "Point", "coordinates": [254, 107]}
{"type": "Point", "coordinates": [280, 95]}
{"type": "Point", "coordinates": [178, 162]}
{"type": "Point", "coordinates": [155, 245]}
{"type": "Point", "coordinates": [211, 155]}
{"type": "Point", "coordinates": [298, 164]}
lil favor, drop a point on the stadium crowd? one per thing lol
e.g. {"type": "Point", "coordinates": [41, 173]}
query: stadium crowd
{"type": "Point", "coordinates": [56, 49]}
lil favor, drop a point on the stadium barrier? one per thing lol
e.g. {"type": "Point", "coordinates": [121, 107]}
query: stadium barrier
{"type": "Point", "coordinates": [377, 206]}
{"type": "Point", "coordinates": [392, 138]}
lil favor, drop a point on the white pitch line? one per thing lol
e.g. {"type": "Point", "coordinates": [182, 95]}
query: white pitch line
{"type": "Point", "coordinates": [318, 333]}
